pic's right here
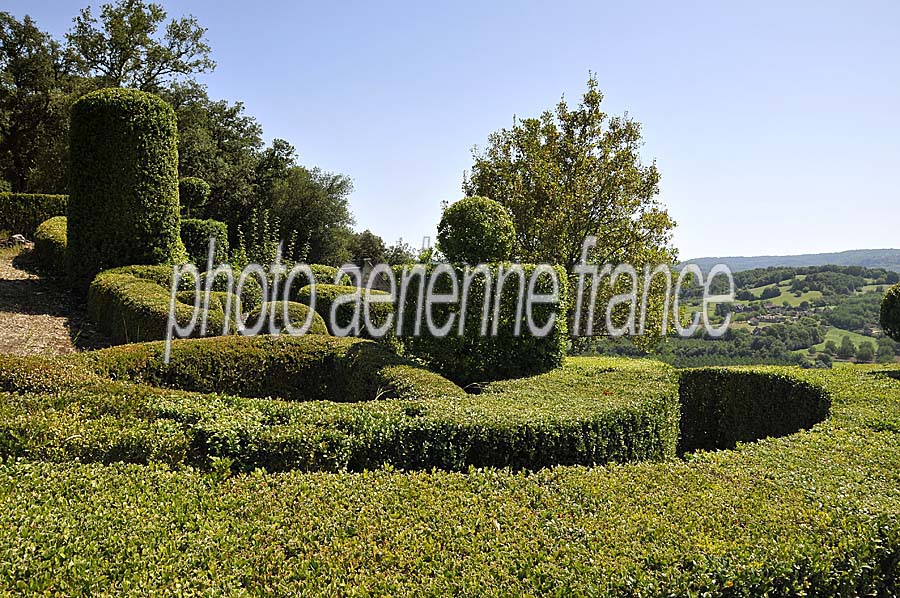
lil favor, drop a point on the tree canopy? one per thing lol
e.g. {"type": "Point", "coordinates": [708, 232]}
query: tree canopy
{"type": "Point", "coordinates": [571, 173]}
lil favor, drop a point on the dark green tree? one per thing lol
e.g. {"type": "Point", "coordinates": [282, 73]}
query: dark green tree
{"type": "Point", "coordinates": [866, 351]}
{"type": "Point", "coordinates": [31, 72]}
{"type": "Point", "coordinates": [367, 246]}
{"type": "Point", "coordinates": [126, 46]}
{"type": "Point", "coordinates": [847, 348]}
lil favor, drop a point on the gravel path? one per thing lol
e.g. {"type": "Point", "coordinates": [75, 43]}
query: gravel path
{"type": "Point", "coordinates": [37, 315]}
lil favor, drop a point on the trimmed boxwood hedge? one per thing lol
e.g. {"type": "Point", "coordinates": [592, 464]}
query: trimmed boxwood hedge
{"type": "Point", "coordinates": [327, 294]}
{"type": "Point", "coordinates": [195, 234]}
{"type": "Point", "coordinates": [50, 242]}
{"type": "Point", "coordinates": [22, 213]}
{"type": "Point", "coordinates": [297, 314]}
{"type": "Point", "coordinates": [814, 513]}
{"type": "Point", "coordinates": [723, 406]}
{"type": "Point", "coordinates": [473, 358]}
{"type": "Point", "coordinates": [193, 193]}
{"type": "Point", "coordinates": [123, 208]}
{"type": "Point", "coordinates": [131, 304]}
{"type": "Point", "coordinates": [323, 416]}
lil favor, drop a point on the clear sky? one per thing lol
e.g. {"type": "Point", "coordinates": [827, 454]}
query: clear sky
{"type": "Point", "coordinates": [775, 125]}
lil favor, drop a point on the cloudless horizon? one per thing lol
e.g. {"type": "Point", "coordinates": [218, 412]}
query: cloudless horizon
{"type": "Point", "coordinates": [775, 126]}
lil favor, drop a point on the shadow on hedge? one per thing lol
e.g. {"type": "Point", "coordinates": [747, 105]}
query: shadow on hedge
{"type": "Point", "coordinates": [721, 407]}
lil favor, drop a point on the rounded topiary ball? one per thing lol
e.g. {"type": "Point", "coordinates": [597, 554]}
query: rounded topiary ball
{"type": "Point", "coordinates": [476, 230]}
{"type": "Point", "coordinates": [193, 193]}
{"type": "Point", "coordinates": [890, 313]}
{"type": "Point", "coordinates": [123, 203]}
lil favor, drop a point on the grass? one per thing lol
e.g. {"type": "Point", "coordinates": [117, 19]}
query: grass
{"type": "Point", "coordinates": [786, 295]}
{"type": "Point", "coordinates": [837, 336]}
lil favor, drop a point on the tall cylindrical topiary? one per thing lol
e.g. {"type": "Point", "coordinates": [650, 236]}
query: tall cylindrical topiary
{"type": "Point", "coordinates": [475, 230]}
{"type": "Point", "coordinates": [123, 204]}
{"type": "Point", "coordinates": [890, 313]}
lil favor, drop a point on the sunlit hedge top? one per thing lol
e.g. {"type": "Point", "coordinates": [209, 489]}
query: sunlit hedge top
{"type": "Point", "coordinates": [476, 230]}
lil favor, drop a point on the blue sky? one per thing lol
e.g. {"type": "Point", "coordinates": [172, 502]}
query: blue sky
{"type": "Point", "coordinates": [775, 125]}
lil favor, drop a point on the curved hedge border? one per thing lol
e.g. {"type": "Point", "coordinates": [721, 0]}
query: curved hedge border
{"type": "Point", "coordinates": [22, 213]}
{"type": "Point", "coordinates": [323, 418]}
{"type": "Point", "coordinates": [50, 243]}
{"type": "Point", "coordinates": [815, 513]}
{"type": "Point", "coordinates": [131, 304]}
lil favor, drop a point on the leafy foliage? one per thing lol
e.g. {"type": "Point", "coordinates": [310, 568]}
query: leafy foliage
{"type": "Point", "coordinates": [22, 213]}
{"type": "Point", "coordinates": [193, 194]}
{"type": "Point", "coordinates": [476, 230]}
{"type": "Point", "coordinates": [123, 208]}
{"type": "Point", "coordinates": [50, 245]}
{"type": "Point", "coordinates": [571, 173]}
{"type": "Point", "coordinates": [196, 234]}
{"type": "Point", "coordinates": [473, 357]}
{"type": "Point", "coordinates": [890, 313]}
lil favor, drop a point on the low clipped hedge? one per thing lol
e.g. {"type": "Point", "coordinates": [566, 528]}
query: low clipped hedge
{"type": "Point", "coordinates": [273, 316]}
{"type": "Point", "coordinates": [474, 358]}
{"type": "Point", "coordinates": [327, 294]}
{"type": "Point", "coordinates": [813, 513]}
{"type": "Point", "coordinates": [311, 405]}
{"type": "Point", "coordinates": [195, 235]}
{"type": "Point", "coordinates": [50, 242]}
{"type": "Point", "coordinates": [723, 406]}
{"type": "Point", "coordinates": [131, 304]}
{"type": "Point", "coordinates": [22, 213]}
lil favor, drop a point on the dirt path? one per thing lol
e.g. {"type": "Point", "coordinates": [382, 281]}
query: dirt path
{"type": "Point", "coordinates": [37, 315]}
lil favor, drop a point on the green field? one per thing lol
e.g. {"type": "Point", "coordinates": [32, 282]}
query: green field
{"type": "Point", "coordinates": [786, 295]}
{"type": "Point", "coordinates": [837, 335]}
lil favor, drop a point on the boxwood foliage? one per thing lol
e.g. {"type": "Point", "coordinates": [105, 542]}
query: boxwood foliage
{"type": "Point", "coordinates": [814, 513]}
{"type": "Point", "coordinates": [474, 357]}
{"type": "Point", "coordinates": [890, 313]}
{"type": "Point", "coordinates": [326, 295]}
{"type": "Point", "coordinates": [22, 213]}
{"type": "Point", "coordinates": [476, 230]}
{"type": "Point", "coordinates": [50, 244]}
{"type": "Point", "coordinates": [723, 406]}
{"type": "Point", "coordinates": [195, 235]}
{"type": "Point", "coordinates": [323, 416]}
{"type": "Point", "coordinates": [193, 193]}
{"type": "Point", "coordinates": [273, 313]}
{"type": "Point", "coordinates": [131, 304]}
{"type": "Point", "coordinates": [123, 207]}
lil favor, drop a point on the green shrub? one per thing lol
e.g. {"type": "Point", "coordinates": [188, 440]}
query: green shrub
{"type": "Point", "coordinates": [22, 213]}
{"type": "Point", "coordinates": [890, 313]}
{"type": "Point", "coordinates": [814, 513]}
{"type": "Point", "coordinates": [327, 294]}
{"type": "Point", "coordinates": [195, 235]}
{"type": "Point", "coordinates": [131, 304]}
{"type": "Point", "coordinates": [476, 230]}
{"type": "Point", "coordinates": [50, 245]}
{"type": "Point", "coordinates": [723, 406]}
{"type": "Point", "coordinates": [297, 314]}
{"type": "Point", "coordinates": [324, 418]}
{"type": "Point", "coordinates": [473, 357]}
{"type": "Point", "coordinates": [193, 193]}
{"type": "Point", "coordinates": [123, 207]}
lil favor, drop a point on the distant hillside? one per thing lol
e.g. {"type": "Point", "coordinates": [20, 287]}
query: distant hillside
{"type": "Point", "coordinates": [889, 259]}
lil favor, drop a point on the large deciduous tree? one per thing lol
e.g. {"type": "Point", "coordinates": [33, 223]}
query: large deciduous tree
{"type": "Point", "coordinates": [126, 48]}
{"type": "Point", "coordinates": [31, 67]}
{"type": "Point", "coordinates": [574, 172]}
